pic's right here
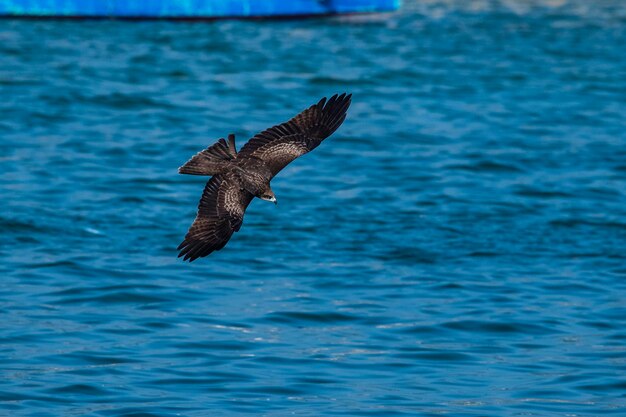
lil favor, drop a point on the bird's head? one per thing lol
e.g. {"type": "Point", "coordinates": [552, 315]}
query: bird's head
{"type": "Point", "coordinates": [268, 195]}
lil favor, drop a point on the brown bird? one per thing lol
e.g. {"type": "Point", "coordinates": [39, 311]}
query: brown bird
{"type": "Point", "coordinates": [238, 177]}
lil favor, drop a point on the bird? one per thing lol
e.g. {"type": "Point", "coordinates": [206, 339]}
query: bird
{"type": "Point", "coordinates": [238, 177]}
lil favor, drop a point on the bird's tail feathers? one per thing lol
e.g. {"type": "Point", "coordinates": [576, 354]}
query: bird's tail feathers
{"type": "Point", "coordinates": [213, 160]}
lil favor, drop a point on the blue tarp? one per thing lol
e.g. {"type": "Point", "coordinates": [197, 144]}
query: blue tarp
{"type": "Point", "coordinates": [189, 8]}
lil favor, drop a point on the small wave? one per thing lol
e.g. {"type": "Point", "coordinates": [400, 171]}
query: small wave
{"type": "Point", "coordinates": [542, 194]}
{"type": "Point", "coordinates": [296, 318]}
{"type": "Point", "coordinates": [436, 356]}
{"type": "Point", "coordinates": [123, 101]}
{"type": "Point", "coordinates": [498, 327]}
{"type": "Point", "coordinates": [486, 166]}
{"type": "Point", "coordinates": [579, 222]}
{"type": "Point", "coordinates": [118, 297]}
{"type": "Point", "coordinates": [80, 389]}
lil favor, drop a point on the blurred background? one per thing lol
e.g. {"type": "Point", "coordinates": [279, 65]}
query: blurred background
{"type": "Point", "coordinates": [457, 247]}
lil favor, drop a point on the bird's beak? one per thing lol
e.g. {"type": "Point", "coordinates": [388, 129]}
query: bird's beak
{"type": "Point", "coordinates": [273, 200]}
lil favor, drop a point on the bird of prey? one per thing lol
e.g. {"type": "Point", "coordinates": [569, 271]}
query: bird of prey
{"type": "Point", "coordinates": [238, 177]}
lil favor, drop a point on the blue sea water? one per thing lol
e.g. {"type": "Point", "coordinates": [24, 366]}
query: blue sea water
{"type": "Point", "coordinates": [456, 248]}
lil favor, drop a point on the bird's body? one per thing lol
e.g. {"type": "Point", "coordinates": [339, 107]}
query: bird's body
{"type": "Point", "coordinates": [238, 177]}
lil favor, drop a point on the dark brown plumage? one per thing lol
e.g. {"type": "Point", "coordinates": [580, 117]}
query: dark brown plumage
{"type": "Point", "coordinates": [238, 177]}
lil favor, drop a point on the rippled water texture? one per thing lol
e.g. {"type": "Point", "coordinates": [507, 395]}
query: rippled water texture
{"type": "Point", "coordinates": [457, 248]}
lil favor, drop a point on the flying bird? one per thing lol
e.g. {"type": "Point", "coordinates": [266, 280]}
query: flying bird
{"type": "Point", "coordinates": [238, 177]}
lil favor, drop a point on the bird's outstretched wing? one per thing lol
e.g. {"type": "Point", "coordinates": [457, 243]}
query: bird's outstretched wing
{"type": "Point", "coordinates": [281, 144]}
{"type": "Point", "coordinates": [220, 214]}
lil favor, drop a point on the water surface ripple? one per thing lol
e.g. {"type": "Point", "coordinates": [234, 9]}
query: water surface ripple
{"type": "Point", "coordinates": [458, 247]}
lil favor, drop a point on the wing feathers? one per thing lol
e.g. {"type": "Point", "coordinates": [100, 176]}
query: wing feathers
{"type": "Point", "coordinates": [213, 160]}
{"type": "Point", "coordinates": [220, 214]}
{"type": "Point", "coordinates": [231, 144]}
{"type": "Point", "coordinates": [303, 133]}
